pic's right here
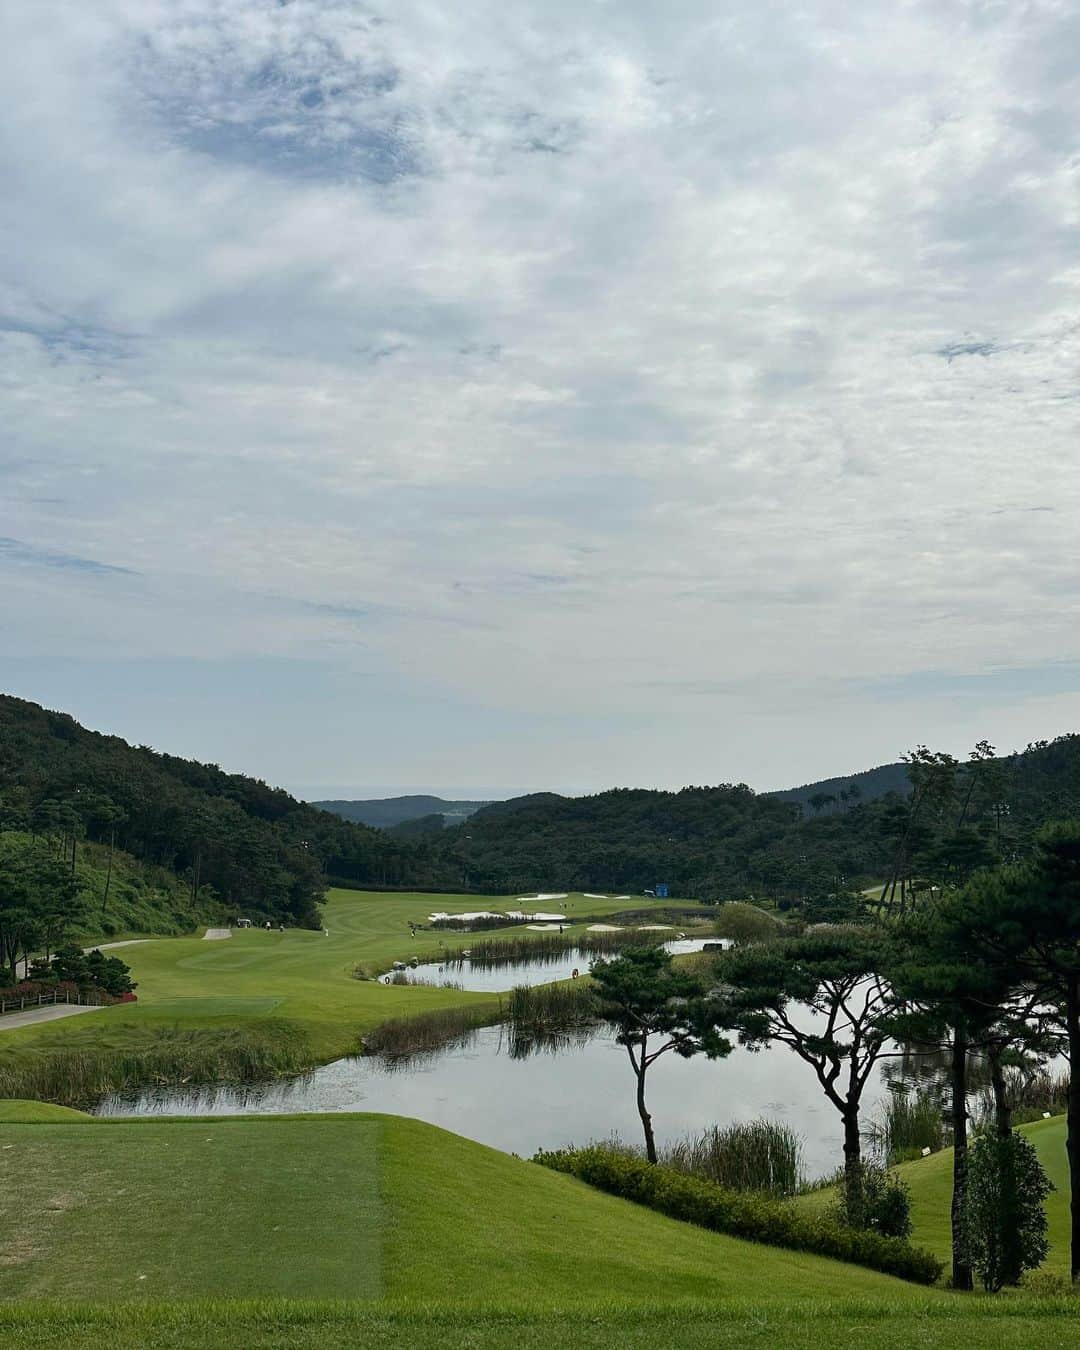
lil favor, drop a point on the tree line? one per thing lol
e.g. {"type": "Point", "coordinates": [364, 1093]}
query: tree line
{"type": "Point", "coordinates": [990, 967]}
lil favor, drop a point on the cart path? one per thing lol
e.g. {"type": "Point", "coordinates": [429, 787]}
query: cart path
{"type": "Point", "coordinates": [51, 1013]}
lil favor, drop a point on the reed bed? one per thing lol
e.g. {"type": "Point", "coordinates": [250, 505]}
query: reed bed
{"type": "Point", "coordinates": [758, 1155]}
{"type": "Point", "coordinates": [401, 1038]}
{"type": "Point", "coordinates": [908, 1122]}
{"type": "Point", "coordinates": [81, 1077]}
{"type": "Point", "coordinates": [550, 1009]}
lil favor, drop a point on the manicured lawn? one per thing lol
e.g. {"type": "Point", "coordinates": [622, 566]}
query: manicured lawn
{"type": "Point", "coordinates": [353, 1206]}
{"type": "Point", "coordinates": [737, 1323]}
{"type": "Point", "coordinates": [930, 1182]}
{"type": "Point", "coordinates": [301, 981]}
{"type": "Point", "coordinates": [182, 1209]}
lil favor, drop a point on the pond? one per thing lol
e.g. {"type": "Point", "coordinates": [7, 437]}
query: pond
{"type": "Point", "coordinates": [582, 1091]}
{"type": "Point", "coordinates": [494, 976]}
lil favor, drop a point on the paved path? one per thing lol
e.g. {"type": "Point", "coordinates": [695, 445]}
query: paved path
{"type": "Point", "coordinates": [50, 1013]}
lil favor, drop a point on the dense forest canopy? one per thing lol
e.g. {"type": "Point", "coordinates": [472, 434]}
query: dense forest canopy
{"type": "Point", "coordinates": [254, 847]}
{"type": "Point", "coordinates": [728, 842]}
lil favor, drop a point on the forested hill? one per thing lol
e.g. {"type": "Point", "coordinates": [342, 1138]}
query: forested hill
{"type": "Point", "coordinates": [837, 794]}
{"type": "Point", "coordinates": [253, 847]}
{"type": "Point", "coordinates": [385, 812]}
{"type": "Point", "coordinates": [720, 842]}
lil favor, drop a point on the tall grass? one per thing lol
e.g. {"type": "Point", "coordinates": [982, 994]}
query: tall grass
{"type": "Point", "coordinates": [540, 1010]}
{"type": "Point", "coordinates": [401, 1038]}
{"type": "Point", "coordinates": [1031, 1094]}
{"type": "Point", "coordinates": [759, 1155]}
{"type": "Point", "coordinates": [166, 1056]}
{"type": "Point", "coordinates": [906, 1123]}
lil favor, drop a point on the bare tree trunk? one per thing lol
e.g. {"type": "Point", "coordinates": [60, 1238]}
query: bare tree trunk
{"type": "Point", "coordinates": [853, 1179]}
{"type": "Point", "coordinates": [646, 1120]}
{"type": "Point", "coordinates": [961, 1267]}
{"type": "Point", "coordinates": [1002, 1105]}
{"type": "Point", "coordinates": [108, 870]}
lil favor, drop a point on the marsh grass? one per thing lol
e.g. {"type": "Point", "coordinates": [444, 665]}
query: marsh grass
{"type": "Point", "coordinates": [757, 1155]}
{"type": "Point", "coordinates": [164, 1056]}
{"type": "Point", "coordinates": [546, 1009]}
{"type": "Point", "coordinates": [401, 1038]}
{"type": "Point", "coordinates": [906, 1123]}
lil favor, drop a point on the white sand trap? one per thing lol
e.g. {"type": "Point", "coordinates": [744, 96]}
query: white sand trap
{"type": "Point", "coordinates": [589, 896]}
{"type": "Point", "coordinates": [604, 928]}
{"type": "Point", "coordinates": [216, 934]}
{"type": "Point", "coordinates": [544, 927]}
{"type": "Point", "coordinates": [656, 928]}
{"type": "Point", "coordinates": [537, 917]}
{"type": "Point", "coordinates": [538, 899]}
{"type": "Point", "coordinates": [477, 914]}
{"type": "Point", "coordinates": [620, 897]}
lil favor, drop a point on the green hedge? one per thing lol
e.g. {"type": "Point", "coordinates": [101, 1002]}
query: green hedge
{"type": "Point", "coordinates": [756, 1216]}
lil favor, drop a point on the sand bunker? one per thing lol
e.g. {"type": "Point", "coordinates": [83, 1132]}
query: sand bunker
{"type": "Point", "coordinates": [656, 927]}
{"type": "Point", "coordinates": [536, 899]}
{"type": "Point", "coordinates": [589, 896]}
{"type": "Point", "coordinates": [604, 928]}
{"type": "Point", "coordinates": [477, 914]}
{"type": "Point", "coordinates": [544, 927]}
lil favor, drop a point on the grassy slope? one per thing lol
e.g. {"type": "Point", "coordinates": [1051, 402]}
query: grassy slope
{"type": "Point", "coordinates": [465, 1245]}
{"type": "Point", "coordinates": [142, 899]}
{"type": "Point", "coordinates": [930, 1181]}
{"type": "Point", "coordinates": [351, 1206]}
{"type": "Point", "coordinates": [299, 977]}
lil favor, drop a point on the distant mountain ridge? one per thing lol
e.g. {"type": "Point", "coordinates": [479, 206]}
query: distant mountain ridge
{"type": "Point", "coordinates": [866, 786]}
{"type": "Point", "coordinates": [385, 812]}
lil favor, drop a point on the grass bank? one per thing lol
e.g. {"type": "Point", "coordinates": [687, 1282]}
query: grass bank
{"type": "Point", "coordinates": [295, 991]}
{"type": "Point", "coordinates": [742, 1324]}
{"type": "Point", "coordinates": [351, 1206]}
{"type": "Point", "coordinates": [930, 1183]}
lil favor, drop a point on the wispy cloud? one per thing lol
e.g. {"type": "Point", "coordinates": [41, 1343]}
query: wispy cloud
{"type": "Point", "coordinates": [27, 555]}
{"type": "Point", "coordinates": [579, 362]}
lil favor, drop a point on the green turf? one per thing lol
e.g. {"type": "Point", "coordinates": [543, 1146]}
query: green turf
{"type": "Point", "coordinates": [930, 1183]}
{"type": "Point", "coordinates": [185, 1208]}
{"type": "Point", "coordinates": [967, 1324]}
{"type": "Point", "coordinates": [300, 978]}
{"type": "Point", "coordinates": [27, 1113]}
{"type": "Point", "coordinates": [353, 1206]}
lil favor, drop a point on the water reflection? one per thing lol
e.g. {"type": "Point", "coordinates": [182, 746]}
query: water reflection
{"type": "Point", "coordinates": [563, 1090]}
{"type": "Point", "coordinates": [493, 976]}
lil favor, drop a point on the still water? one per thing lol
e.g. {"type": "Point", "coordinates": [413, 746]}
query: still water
{"type": "Point", "coordinates": [581, 1092]}
{"type": "Point", "coordinates": [494, 977]}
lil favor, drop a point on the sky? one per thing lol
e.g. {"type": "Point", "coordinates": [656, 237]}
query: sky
{"type": "Point", "coordinates": [499, 397]}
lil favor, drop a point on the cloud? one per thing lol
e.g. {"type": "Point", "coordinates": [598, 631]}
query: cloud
{"type": "Point", "coordinates": [15, 551]}
{"type": "Point", "coordinates": [551, 357]}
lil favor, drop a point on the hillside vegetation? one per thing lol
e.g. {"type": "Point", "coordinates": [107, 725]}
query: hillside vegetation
{"type": "Point", "coordinates": [118, 895]}
{"type": "Point", "coordinates": [384, 812]}
{"type": "Point", "coordinates": [230, 838]}
{"type": "Point", "coordinates": [728, 841]}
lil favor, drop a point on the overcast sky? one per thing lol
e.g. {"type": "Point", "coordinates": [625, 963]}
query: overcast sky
{"type": "Point", "coordinates": [542, 394]}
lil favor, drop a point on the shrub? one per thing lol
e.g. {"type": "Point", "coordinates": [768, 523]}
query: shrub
{"type": "Point", "coordinates": [741, 923]}
{"type": "Point", "coordinates": [884, 1203]}
{"type": "Point", "coordinates": [752, 1215]}
{"type": "Point", "coordinates": [1004, 1218]}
